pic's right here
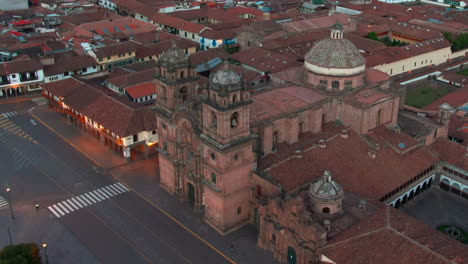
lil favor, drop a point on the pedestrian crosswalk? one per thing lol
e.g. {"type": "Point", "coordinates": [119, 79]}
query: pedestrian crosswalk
{"type": "Point", "coordinates": [8, 127]}
{"type": "Point", "coordinates": [3, 202]}
{"type": "Point", "coordinates": [15, 113]}
{"type": "Point", "coordinates": [78, 202]}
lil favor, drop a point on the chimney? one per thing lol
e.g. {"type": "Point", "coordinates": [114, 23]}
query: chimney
{"type": "Point", "coordinates": [362, 205]}
{"type": "Point", "coordinates": [344, 133]}
{"type": "Point", "coordinates": [322, 143]}
{"type": "Point", "coordinates": [299, 154]}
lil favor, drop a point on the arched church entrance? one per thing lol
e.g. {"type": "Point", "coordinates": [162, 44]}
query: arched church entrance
{"type": "Point", "coordinates": [191, 194]}
{"type": "Point", "coordinates": [291, 256]}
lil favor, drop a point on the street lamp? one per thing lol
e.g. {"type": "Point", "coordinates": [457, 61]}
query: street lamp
{"type": "Point", "coordinates": [9, 202]}
{"type": "Point", "coordinates": [44, 245]}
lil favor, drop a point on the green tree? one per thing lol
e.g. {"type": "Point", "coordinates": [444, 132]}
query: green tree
{"type": "Point", "coordinates": [20, 254]}
{"type": "Point", "coordinates": [372, 35]}
{"type": "Point", "coordinates": [449, 36]}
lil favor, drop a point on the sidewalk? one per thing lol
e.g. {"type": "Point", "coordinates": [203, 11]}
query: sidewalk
{"type": "Point", "coordinates": [22, 98]}
{"type": "Point", "coordinates": [81, 140]}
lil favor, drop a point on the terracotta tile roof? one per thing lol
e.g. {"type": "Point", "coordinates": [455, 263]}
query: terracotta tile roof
{"type": "Point", "coordinates": [415, 31]}
{"type": "Point", "coordinates": [316, 23]}
{"type": "Point", "coordinates": [132, 78]}
{"type": "Point", "coordinates": [368, 97]}
{"type": "Point", "coordinates": [282, 101]}
{"type": "Point", "coordinates": [458, 127]}
{"type": "Point", "coordinates": [451, 152]}
{"type": "Point", "coordinates": [219, 34]}
{"type": "Point", "coordinates": [141, 90]}
{"type": "Point", "coordinates": [376, 76]}
{"type": "Point", "coordinates": [62, 88]}
{"type": "Point", "coordinates": [350, 162]}
{"type": "Point", "coordinates": [178, 23]}
{"type": "Point", "coordinates": [67, 61]}
{"type": "Point", "coordinates": [207, 55]}
{"type": "Point", "coordinates": [390, 236]}
{"type": "Point", "coordinates": [25, 64]}
{"type": "Point", "coordinates": [265, 60]}
{"type": "Point", "coordinates": [392, 54]}
{"type": "Point", "coordinates": [119, 116]}
{"type": "Point", "coordinates": [154, 36]}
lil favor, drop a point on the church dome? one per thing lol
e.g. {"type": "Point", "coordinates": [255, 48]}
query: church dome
{"type": "Point", "coordinates": [325, 188]}
{"type": "Point", "coordinates": [335, 56]}
{"type": "Point", "coordinates": [225, 76]}
{"type": "Point", "coordinates": [174, 57]}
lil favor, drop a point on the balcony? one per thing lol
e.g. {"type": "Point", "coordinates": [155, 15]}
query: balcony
{"type": "Point", "coordinates": [27, 79]}
{"type": "Point", "coordinates": [4, 81]}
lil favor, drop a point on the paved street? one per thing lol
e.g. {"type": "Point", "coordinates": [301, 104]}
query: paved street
{"type": "Point", "coordinates": [116, 213]}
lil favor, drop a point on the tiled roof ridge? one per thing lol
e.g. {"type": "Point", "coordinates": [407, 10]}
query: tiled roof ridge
{"type": "Point", "coordinates": [424, 247]}
{"type": "Point", "coordinates": [291, 156]}
{"type": "Point", "coordinates": [356, 237]}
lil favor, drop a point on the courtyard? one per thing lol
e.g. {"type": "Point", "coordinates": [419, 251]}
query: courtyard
{"type": "Point", "coordinates": [424, 92]}
{"type": "Point", "coordinates": [437, 207]}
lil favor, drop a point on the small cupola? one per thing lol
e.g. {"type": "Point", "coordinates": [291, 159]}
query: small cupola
{"type": "Point", "coordinates": [326, 195]}
{"type": "Point", "coordinates": [336, 31]}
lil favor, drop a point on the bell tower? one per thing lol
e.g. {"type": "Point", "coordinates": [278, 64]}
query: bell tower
{"type": "Point", "coordinates": [225, 108]}
{"type": "Point", "coordinates": [175, 79]}
{"type": "Point", "coordinates": [228, 150]}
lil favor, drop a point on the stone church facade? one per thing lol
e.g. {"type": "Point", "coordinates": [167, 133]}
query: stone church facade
{"type": "Point", "coordinates": [222, 147]}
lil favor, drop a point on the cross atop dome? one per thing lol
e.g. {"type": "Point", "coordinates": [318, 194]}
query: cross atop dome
{"type": "Point", "coordinates": [337, 31]}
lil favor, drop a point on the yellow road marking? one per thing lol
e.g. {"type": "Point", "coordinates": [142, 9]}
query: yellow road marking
{"type": "Point", "coordinates": [16, 130]}
{"type": "Point", "coordinates": [4, 124]}
{"type": "Point", "coordinates": [19, 135]}
{"type": "Point", "coordinates": [9, 126]}
{"type": "Point", "coordinates": [4, 120]}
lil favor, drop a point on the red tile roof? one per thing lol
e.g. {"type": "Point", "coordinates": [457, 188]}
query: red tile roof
{"type": "Point", "coordinates": [122, 118]}
{"type": "Point", "coordinates": [451, 152]}
{"type": "Point", "coordinates": [265, 60]}
{"type": "Point", "coordinates": [129, 79]}
{"type": "Point", "coordinates": [280, 102]}
{"type": "Point", "coordinates": [141, 90]}
{"type": "Point", "coordinates": [24, 64]}
{"type": "Point", "coordinates": [178, 23]}
{"type": "Point", "coordinates": [392, 237]}
{"type": "Point", "coordinates": [349, 161]}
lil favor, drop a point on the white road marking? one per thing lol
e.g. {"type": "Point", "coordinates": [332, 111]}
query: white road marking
{"type": "Point", "coordinates": [98, 195]}
{"type": "Point", "coordinates": [90, 198]}
{"type": "Point", "coordinates": [67, 206]}
{"type": "Point", "coordinates": [72, 204]}
{"type": "Point", "coordinates": [76, 202]}
{"type": "Point", "coordinates": [115, 189]}
{"type": "Point", "coordinates": [85, 199]}
{"type": "Point", "coordinates": [58, 209]}
{"type": "Point", "coordinates": [53, 211]}
{"type": "Point", "coordinates": [104, 190]}
{"type": "Point", "coordinates": [102, 193]}
{"type": "Point", "coordinates": [123, 186]}
{"type": "Point", "coordinates": [107, 188]}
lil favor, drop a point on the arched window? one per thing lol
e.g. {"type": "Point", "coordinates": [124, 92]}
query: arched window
{"type": "Point", "coordinates": [214, 178]}
{"type": "Point", "coordinates": [234, 98]}
{"type": "Point", "coordinates": [182, 74]}
{"type": "Point", "coordinates": [234, 120]}
{"type": "Point", "coordinates": [378, 117]}
{"type": "Point", "coordinates": [275, 137]}
{"type": "Point", "coordinates": [259, 190]}
{"type": "Point", "coordinates": [335, 85]}
{"type": "Point", "coordinates": [163, 93]}
{"type": "Point", "coordinates": [326, 210]}
{"type": "Point", "coordinates": [183, 93]}
{"type": "Point", "coordinates": [214, 120]}
{"type": "Point", "coordinates": [301, 127]}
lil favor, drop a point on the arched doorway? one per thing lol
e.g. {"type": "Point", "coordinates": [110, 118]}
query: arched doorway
{"type": "Point", "coordinates": [191, 194]}
{"type": "Point", "coordinates": [429, 183]}
{"type": "Point", "coordinates": [411, 195]}
{"type": "Point", "coordinates": [418, 190]}
{"type": "Point", "coordinates": [403, 201]}
{"type": "Point", "coordinates": [456, 188]}
{"type": "Point", "coordinates": [398, 204]}
{"type": "Point", "coordinates": [291, 255]}
{"type": "Point", "coordinates": [424, 186]}
{"type": "Point", "coordinates": [326, 210]}
{"type": "Point", "coordinates": [445, 184]}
